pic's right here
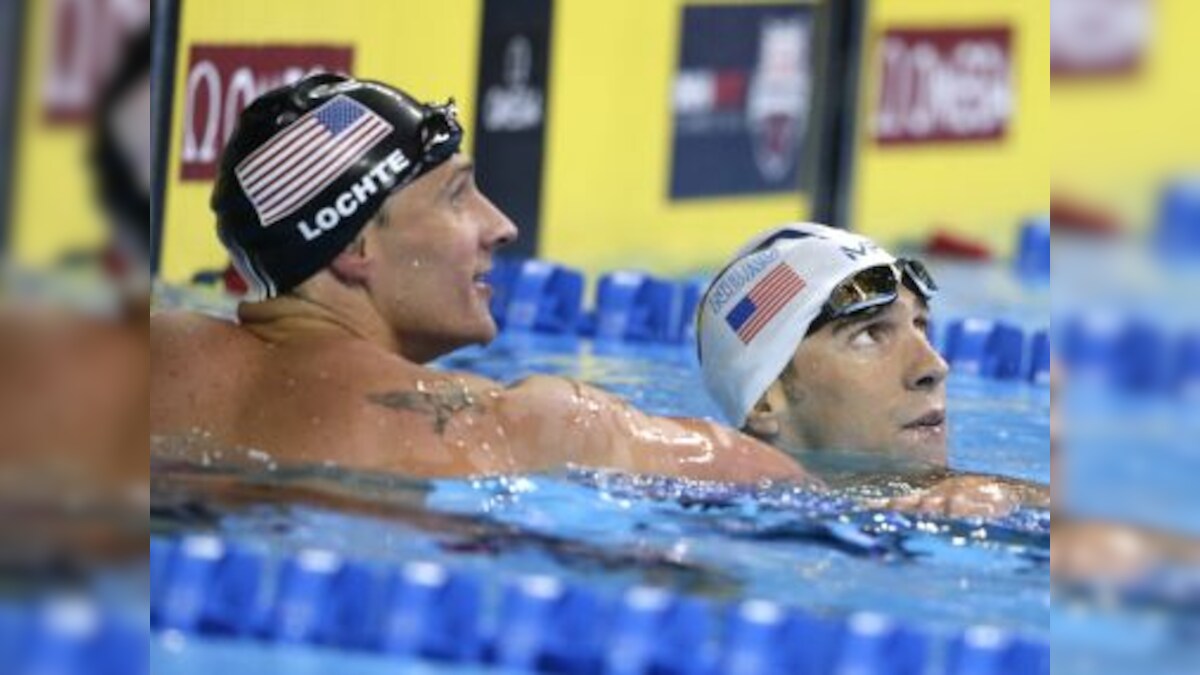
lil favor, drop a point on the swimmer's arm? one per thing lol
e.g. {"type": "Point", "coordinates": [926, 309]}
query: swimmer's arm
{"type": "Point", "coordinates": [1094, 551]}
{"type": "Point", "coordinates": [1021, 492]}
{"type": "Point", "coordinates": [970, 495]}
{"type": "Point", "coordinates": [1028, 493]}
{"type": "Point", "coordinates": [582, 425]}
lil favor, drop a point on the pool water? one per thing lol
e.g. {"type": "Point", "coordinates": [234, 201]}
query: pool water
{"type": "Point", "coordinates": [818, 553]}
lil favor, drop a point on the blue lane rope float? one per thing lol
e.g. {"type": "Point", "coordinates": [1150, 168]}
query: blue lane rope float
{"type": "Point", "coordinates": [545, 297]}
{"type": "Point", "coordinates": [984, 347]}
{"type": "Point", "coordinates": [72, 636]}
{"type": "Point", "coordinates": [1032, 260]}
{"type": "Point", "coordinates": [639, 307]}
{"type": "Point", "coordinates": [1177, 232]}
{"type": "Point", "coordinates": [1129, 354]}
{"type": "Point", "coordinates": [541, 623]}
{"type": "Point", "coordinates": [1039, 358]}
{"type": "Point", "coordinates": [633, 306]}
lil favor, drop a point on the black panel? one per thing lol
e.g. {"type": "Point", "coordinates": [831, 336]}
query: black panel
{"type": "Point", "coordinates": [12, 25]}
{"type": "Point", "coordinates": [510, 128]}
{"type": "Point", "coordinates": [165, 22]}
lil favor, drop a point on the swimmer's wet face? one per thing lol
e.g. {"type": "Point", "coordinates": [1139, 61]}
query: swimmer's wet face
{"type": "Point", "coordinates": [429, 253]}
{"type": "Point", "coordinates": [867, 382]}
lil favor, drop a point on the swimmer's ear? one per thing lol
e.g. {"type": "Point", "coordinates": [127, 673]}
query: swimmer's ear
{"type": "Point", "coordinates": [352, 264]}
{"type": "Point", "coordinates": [763, 420]}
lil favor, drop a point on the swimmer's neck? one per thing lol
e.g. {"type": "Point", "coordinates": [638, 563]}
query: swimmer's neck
{"type": "Point", "coordinates": [836, 466]}
{"type": "Point", "coordinates": [301, 317]}
{"type": "Point", "coordinates": [841, 468]}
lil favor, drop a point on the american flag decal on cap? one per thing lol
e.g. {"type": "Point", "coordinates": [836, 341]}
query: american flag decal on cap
{"type": "Point", "coordinates": [766, 299]}
{"type": "Point", "coordinates": [307, 156]}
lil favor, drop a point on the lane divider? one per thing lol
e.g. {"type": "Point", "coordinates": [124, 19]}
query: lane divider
{"type": "Point", "coordinates": [540, 623]}
{"type": "Point", "coordinates": [72, 636]}
{"type": "Point", "coordinates": [1130, 354]}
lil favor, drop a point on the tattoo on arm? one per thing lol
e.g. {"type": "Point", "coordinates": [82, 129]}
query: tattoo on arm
{"type": "Point", "coordinates": [443, 402]}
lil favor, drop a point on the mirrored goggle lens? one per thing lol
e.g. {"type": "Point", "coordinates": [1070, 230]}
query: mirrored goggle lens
{"type": "Point", "coordinates": [870, 287]}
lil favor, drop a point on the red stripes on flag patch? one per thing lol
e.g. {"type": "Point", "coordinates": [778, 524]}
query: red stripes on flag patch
{"type": "Point", "coordinates": [769, 296]}
{"type": "Point", "coordinates": [303, 159]}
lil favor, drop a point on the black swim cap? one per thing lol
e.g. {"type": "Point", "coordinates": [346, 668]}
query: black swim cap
{"type": "Point", "coordinates": [311, 163]}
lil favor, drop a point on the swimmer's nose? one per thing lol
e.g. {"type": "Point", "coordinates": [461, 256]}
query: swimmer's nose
{"type": "Point", "coordinates": [500, 230]}
{"type": "Point", "coordinates": [929, 369]}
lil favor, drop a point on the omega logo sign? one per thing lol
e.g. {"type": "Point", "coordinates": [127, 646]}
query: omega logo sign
{"type": "Point", "coordinates": [223, 80]}
{"type": "Point", "coordinates": [944, 85]}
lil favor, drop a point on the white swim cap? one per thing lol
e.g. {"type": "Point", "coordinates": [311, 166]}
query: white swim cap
{"type": "Point", "coordinates": [759, 308]}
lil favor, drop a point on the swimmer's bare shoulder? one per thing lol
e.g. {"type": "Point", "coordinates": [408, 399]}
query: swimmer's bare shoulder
{"type": "Point", "coordinates": [349, 402]}
{"type": "Point", "coordinates": [72, 392]}
{"type": "Point", "coordinates": [197, 365]}
{"type": "Point", "coordinates": [548, 422]}
{"type": "Point", "coordinates": [216, 384]}
{"type": "Point", "coordinates": [591, 427]}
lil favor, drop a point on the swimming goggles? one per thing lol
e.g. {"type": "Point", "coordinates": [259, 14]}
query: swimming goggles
{"type": "Point", "coordinates": [875, 287]}
{"type": "Point", "coordinates": [440, 134]}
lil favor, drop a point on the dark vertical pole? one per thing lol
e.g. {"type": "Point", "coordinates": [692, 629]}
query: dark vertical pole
{"type": "Point", "coordinates": [12, 29]}
{"type": "Point", "coordinates": [165, 20]}
{"type": "Point", "coordinates": [841, 68]}
{"type": "Point", "coordinates": [512, 100]}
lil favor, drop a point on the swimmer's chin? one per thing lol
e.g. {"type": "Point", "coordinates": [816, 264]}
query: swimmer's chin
{"type": "Point", "coordinates": [484, 331]}
{"type": "Point", "coordinates": [927, 444]}
{"type": "Point", "coordinates": [490, 332]}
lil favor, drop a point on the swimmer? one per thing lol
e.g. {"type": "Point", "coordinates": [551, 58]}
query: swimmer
{"type": "Point", "coordinates": [354, 217]}
{"type": "Point", "coordinates": [815, 340]}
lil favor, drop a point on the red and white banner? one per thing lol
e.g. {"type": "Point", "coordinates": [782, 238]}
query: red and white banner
{"type": "Point", "coordinates": [944, 85]}
{"type": "Point", "coordinates": [1090, 38]}
{"type": "Point", "coordinates": [223, 79]}
{"type": "Point", "coordinates": [85, 38]}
